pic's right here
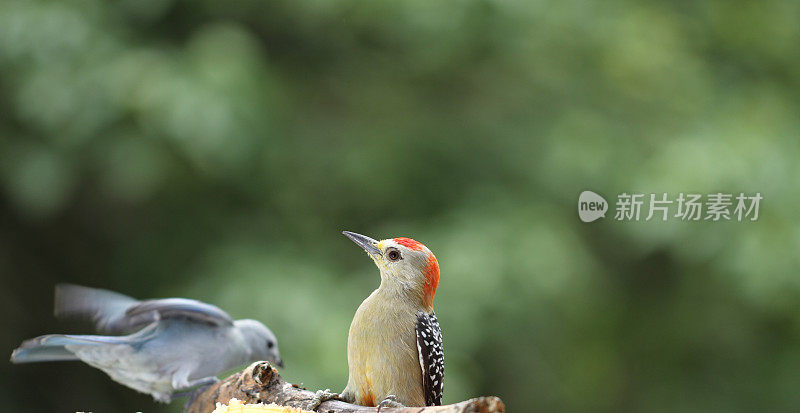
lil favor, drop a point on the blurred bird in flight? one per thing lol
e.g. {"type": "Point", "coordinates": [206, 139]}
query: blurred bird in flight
{"type": "Point", "coordinates": [167, 345]}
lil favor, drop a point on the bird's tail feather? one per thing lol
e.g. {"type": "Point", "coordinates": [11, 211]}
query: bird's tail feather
{"type": "Point", "coordinates": [53, 347]}
{"type": "Point", "coordinates": [44, 353]}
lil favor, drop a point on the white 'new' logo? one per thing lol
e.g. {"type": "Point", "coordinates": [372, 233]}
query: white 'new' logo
{"type": "Point", "coordinates": [591, 206]}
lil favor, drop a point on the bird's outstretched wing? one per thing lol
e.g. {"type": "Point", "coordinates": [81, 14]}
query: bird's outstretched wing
{"type": "Point", "coordinates": [431, 357]}
{"type": "Point", "coordinates": [104, 308]}
{"type": "Point", "coordinates": [174, 308]}
{"type": "Point", "coordinates": [114, 313]}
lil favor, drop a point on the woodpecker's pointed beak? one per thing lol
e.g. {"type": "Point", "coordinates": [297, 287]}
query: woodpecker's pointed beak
{"type": "Point", "coordinates": [365, 242]}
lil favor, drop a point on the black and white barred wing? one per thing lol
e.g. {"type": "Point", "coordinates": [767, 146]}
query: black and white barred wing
{"type": "Point", "coordinates": [431, 357]}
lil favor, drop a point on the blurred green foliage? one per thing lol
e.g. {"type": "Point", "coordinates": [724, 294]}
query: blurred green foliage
{"type": "Point", "coordinates": [216, 149]}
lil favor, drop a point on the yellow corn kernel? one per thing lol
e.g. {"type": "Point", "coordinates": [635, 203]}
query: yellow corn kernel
{"type": "Point", "coordinates": [236, 406]}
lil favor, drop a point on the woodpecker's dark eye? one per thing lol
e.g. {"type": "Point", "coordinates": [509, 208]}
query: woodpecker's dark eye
{"type": "Point", "coordinates": [393, 254]}
{"type": "Point", "coordinates": [270, 344]}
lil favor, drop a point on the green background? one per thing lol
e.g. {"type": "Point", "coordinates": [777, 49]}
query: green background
{"type": "Point", "coordinates": [217, 149]}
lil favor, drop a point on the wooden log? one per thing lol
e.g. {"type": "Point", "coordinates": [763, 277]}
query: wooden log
{"type": "Point", "coordinates": [261, 383]}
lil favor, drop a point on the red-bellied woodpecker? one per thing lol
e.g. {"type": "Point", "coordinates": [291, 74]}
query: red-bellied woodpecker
{"type": "Point", "coordinates": [394, 349]}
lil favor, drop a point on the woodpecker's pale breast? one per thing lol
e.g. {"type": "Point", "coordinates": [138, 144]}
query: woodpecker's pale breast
{"type": "Point", "coordinates": [382, 354]}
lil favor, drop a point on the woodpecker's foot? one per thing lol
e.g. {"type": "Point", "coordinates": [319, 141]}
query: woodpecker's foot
{"type": "Point", "coordinates": [389, 401]}
{"type": "Point", "coordinates": [321, 396]}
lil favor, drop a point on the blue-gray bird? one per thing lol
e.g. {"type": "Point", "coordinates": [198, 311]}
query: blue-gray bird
{"type": "Point", "coordinates": [170, 345]}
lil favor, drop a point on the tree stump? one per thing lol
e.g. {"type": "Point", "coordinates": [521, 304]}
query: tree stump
{"type": "Point", "coordinates": [261, 383]}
